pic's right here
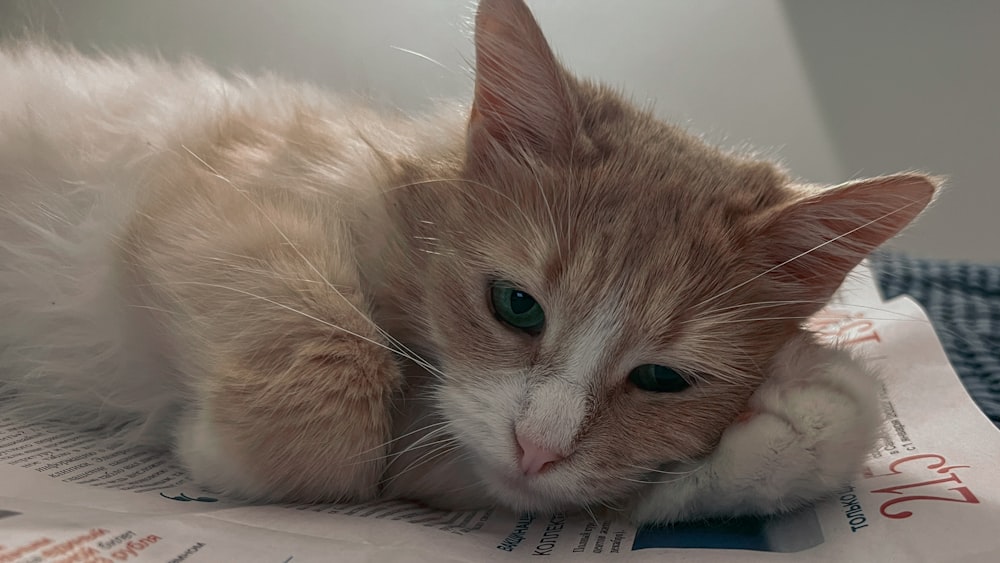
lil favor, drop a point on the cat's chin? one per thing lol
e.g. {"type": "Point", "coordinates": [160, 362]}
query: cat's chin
{"type": "Point", "coordinates": [522, 496]}
{"type": "Point", "coordinates": [547, 493]}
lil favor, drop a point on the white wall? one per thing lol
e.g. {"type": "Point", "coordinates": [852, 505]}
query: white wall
{"type": "Point", "coordinates": [914, 84]}
{"type": "Point", "coordinates": [881, 89]}
{"type": "Point", "coordinates": [726, 67]}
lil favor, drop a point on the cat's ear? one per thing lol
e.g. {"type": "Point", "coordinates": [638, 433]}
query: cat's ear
{"type": "Point", "coordinates": [522, 98]}
{"type": "Point", "coordinates": [811, 245]}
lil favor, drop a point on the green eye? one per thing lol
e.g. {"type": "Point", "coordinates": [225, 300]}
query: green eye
{"type": "Point", "coordinates": [516, 308]}
{"type": "Point", "coordinates": [660, 379]}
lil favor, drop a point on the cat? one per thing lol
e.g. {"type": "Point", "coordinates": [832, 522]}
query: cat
{"type": "Point", "coordinates": [547, 300]}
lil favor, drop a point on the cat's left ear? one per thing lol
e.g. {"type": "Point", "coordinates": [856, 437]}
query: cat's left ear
{"type": "Point", "coordinates": [810, 246]}
{"type": "Point", "coordinates": [522, 95]}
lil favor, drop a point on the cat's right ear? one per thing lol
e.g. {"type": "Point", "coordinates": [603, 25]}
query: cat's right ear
{"type": "Point", "coordinates": [811, 245]}
{"type": "Point", "coordinates": [522, 98]}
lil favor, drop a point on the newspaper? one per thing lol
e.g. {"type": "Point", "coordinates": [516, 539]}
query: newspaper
{"type": "Point", "coordinates": [930, 492]}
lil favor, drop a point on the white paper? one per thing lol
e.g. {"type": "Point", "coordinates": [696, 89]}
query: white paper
{"type": "Point", "coordinates": [930, 492]}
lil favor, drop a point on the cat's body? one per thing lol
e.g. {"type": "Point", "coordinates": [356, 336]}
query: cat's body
{"type": "Point", "coordinates": [294, 292]}
{"type": "Point", "coordinates": [181, 167]}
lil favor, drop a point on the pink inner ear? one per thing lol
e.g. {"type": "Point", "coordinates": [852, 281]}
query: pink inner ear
{"type": "Point", "coordinates": [521, 95]}
{"type": "Point", "coordinates": [819, 240]}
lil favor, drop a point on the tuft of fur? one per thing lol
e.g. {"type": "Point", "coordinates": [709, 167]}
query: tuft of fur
{"type": "Point", "coordinates": [291, 289]}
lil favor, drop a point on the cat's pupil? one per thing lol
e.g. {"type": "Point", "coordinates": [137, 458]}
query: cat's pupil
{"type": "Point", "coordinates": [521, 302]}
{"type": "Point", "coordinates": [657, 378]}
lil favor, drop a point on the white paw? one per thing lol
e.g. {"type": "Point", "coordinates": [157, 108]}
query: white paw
{"type": "Point", "coordinates": [830, 414]}
{"type": "Point", "coordinates": [200, 450]}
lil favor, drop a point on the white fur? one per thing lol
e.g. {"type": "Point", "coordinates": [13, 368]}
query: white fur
{"type": "Point", "coordinates": [556, 406]}
{"type": "Point", "coordinates": [555, 410]}
{"type": "Point", "coordinates": [589, 345]}
{"type": "Point", "coordinates": [73, 144]}
{"type": "Point", "coordinates": [812, 424]}
{"type": "Point", "coordinates": [206, 459]}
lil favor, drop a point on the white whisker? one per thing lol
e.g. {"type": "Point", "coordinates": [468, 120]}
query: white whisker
{"type": "Point", "coordinates": [806, 253]}
{"type": "Point", "coordinates": [409, 354]}
{"type": "Point", "coordinates": [401, 436]}
{"type": "Point", "coordinates": [419, 55]}
{"type": "Point", "coordinates": [428, 457]}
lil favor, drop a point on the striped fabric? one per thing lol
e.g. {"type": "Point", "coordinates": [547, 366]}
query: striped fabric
{"type": "Point", "coordinates": [963, 303]}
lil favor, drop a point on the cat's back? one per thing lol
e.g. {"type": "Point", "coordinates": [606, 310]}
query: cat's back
{"type": "Point", "coordinates": [82, 140]}
{"type": "Point", "coordinates": [57, 99]}
{"type": "Point", "coordinates": [76, 133]}
{"type": "Point", "coordinates": [87, 110]}
{"type": "Point", "coordinates": [90, 118]}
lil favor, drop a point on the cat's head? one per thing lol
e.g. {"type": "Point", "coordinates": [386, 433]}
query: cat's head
{"type": "Point", "coordinates": [603, 291]}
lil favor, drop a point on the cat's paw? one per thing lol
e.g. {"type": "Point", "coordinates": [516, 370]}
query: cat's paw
{"type": "Point", "coordinates": [317, 431]}
{"type": "Point", "coordinates": [806, 434]}
{"type": "Point", "coordinates": [801, 441]}
{"type": "Point", "coordinates": [202, 451]}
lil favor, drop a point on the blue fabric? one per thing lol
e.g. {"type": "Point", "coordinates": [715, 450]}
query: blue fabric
{"type": "Point", "coordinates": [963, 303]}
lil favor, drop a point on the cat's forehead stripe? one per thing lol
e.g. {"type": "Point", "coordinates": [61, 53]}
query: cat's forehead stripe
{"type": "Point", "coordinates": [593, 338]}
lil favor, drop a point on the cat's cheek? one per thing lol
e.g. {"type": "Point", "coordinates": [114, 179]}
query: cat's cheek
{"type": "Point", "coordinates": [201, 449]}
{"type": "Point", "coordinates": [482, 417]}
{"type": "Point", "coordinates": [482, 411]}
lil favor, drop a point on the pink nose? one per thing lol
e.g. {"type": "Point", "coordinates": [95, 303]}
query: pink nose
{"type": "Point", "coordinates": [534, 458]}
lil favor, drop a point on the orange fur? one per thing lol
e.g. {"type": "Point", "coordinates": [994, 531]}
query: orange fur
{"type": "Point", "coordinates": [314, 275]}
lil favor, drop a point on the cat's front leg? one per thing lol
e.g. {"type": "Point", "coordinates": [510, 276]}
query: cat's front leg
{"type": "Point", "coordinates": [287, 382]}
{"type": "Point", "coordinates": [805, 434]}
{"type": "Point", "coordinates": [308, 423]}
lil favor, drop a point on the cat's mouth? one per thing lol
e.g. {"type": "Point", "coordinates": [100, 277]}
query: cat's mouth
{"type": "Point", "coordinates": [527, 494]}
{"type": "Point", "coordinates": [552, 490]}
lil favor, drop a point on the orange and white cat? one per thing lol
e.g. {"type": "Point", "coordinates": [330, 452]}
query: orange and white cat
{"type": "Point", "coordinates": [546, 300]}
